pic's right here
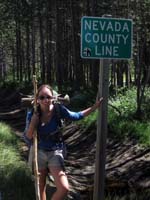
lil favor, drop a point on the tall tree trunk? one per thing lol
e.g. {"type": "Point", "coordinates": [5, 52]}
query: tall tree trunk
{"type": "Point", "coordinates": [119, 75]}
{"type": "Point", "coordinates": [95, 63]}
{"type": "Point", "coordinates": [28, 51]}
{"type": "Point", "coordinates": [13, 64]}
{"type": "Point", "coordinates": [48, 43]}
{"type": "Point", "coordinates": [58, 47]}
{"type": "Point", "coordinates": [18, 49]}
{"type": "Point", "coordinates": [127, 72]}
{"type": "Point", "coordinates": [42, 50]}
{"type": "Point", "coordinates": [33, 45]}
{"type": "Point", "coordinates": [76, 65]}
{"type": "Point", "coordinates": [18, 42]}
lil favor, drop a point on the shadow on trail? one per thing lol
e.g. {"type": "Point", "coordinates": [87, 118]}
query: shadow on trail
{"type": "Point", "coordinates": [127, 164]}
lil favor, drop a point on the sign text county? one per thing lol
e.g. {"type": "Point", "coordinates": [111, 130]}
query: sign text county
{"type": "Point", "coordinates": [106, 38]}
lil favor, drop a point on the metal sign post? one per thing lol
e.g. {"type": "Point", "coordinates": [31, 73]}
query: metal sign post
{"type": "Point", "coordinates": [99, 181]}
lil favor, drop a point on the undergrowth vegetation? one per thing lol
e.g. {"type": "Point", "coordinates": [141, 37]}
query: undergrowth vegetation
{"type": "Point", "coordinates": [15, 176]}
{"type": "Point", "coordinates": [122, 118]}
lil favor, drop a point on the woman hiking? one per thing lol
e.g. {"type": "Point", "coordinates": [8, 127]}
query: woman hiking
{"type": "Point", "coordinates": [50, 143]}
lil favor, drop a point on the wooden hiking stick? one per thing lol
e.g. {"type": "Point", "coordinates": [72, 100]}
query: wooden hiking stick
{"type": "Point", "coordinates": [35, 163]}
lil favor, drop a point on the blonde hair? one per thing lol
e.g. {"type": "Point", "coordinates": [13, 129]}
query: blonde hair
{"type": "Point", "coordinates": [44, 86]}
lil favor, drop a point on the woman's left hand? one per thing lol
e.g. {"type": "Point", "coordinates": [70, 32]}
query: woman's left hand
{"type": "Point", "coordinates": [98, 102]}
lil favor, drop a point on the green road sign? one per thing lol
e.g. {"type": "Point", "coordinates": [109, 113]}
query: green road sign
{"type": "Point", "coordinates": [109, 38]}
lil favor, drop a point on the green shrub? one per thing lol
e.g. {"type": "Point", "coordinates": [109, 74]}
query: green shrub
{"type": "Point", "coordinates": [121, 117]}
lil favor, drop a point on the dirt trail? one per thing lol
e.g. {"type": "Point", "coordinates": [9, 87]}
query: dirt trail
{"type": "Point", "coordinates": [127, 164]}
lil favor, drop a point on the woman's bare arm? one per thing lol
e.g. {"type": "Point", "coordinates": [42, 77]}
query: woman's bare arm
{"type": "Point", "coordinates": [91, 109]}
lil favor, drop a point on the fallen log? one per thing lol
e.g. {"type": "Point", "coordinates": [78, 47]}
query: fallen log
{"type": "Point", "coordinates": [26, 102]}
{"type": "Point", "coordinates": [12, 115]}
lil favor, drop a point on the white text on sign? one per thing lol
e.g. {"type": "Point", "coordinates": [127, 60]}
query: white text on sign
{"type": "Point", "coordinates": [106, 37]}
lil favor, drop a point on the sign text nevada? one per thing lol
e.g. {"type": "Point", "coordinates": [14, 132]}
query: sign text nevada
{"type": "Point", "coordinates": [106, 38]}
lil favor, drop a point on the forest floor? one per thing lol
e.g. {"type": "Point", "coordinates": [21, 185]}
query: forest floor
{"type": "Point", "coordinates": [127, 163]}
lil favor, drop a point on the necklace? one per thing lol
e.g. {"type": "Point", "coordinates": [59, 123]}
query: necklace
{"type": "Point", "coordinates": [46, 117]}
{"type": "Point", "coordinates": [43, 124]}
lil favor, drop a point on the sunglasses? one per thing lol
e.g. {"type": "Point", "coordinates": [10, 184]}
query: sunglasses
{"type": "Point", "coordinates": [45, 97]}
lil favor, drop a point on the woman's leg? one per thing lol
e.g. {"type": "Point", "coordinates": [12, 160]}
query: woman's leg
{"type": "Point", "coordinates": [61, 182]}
{"type": "Point", "coordinates": [42, 182]}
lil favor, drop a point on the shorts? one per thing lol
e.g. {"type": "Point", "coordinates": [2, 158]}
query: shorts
{"type": "Point", "coordinates": [47, 159]}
